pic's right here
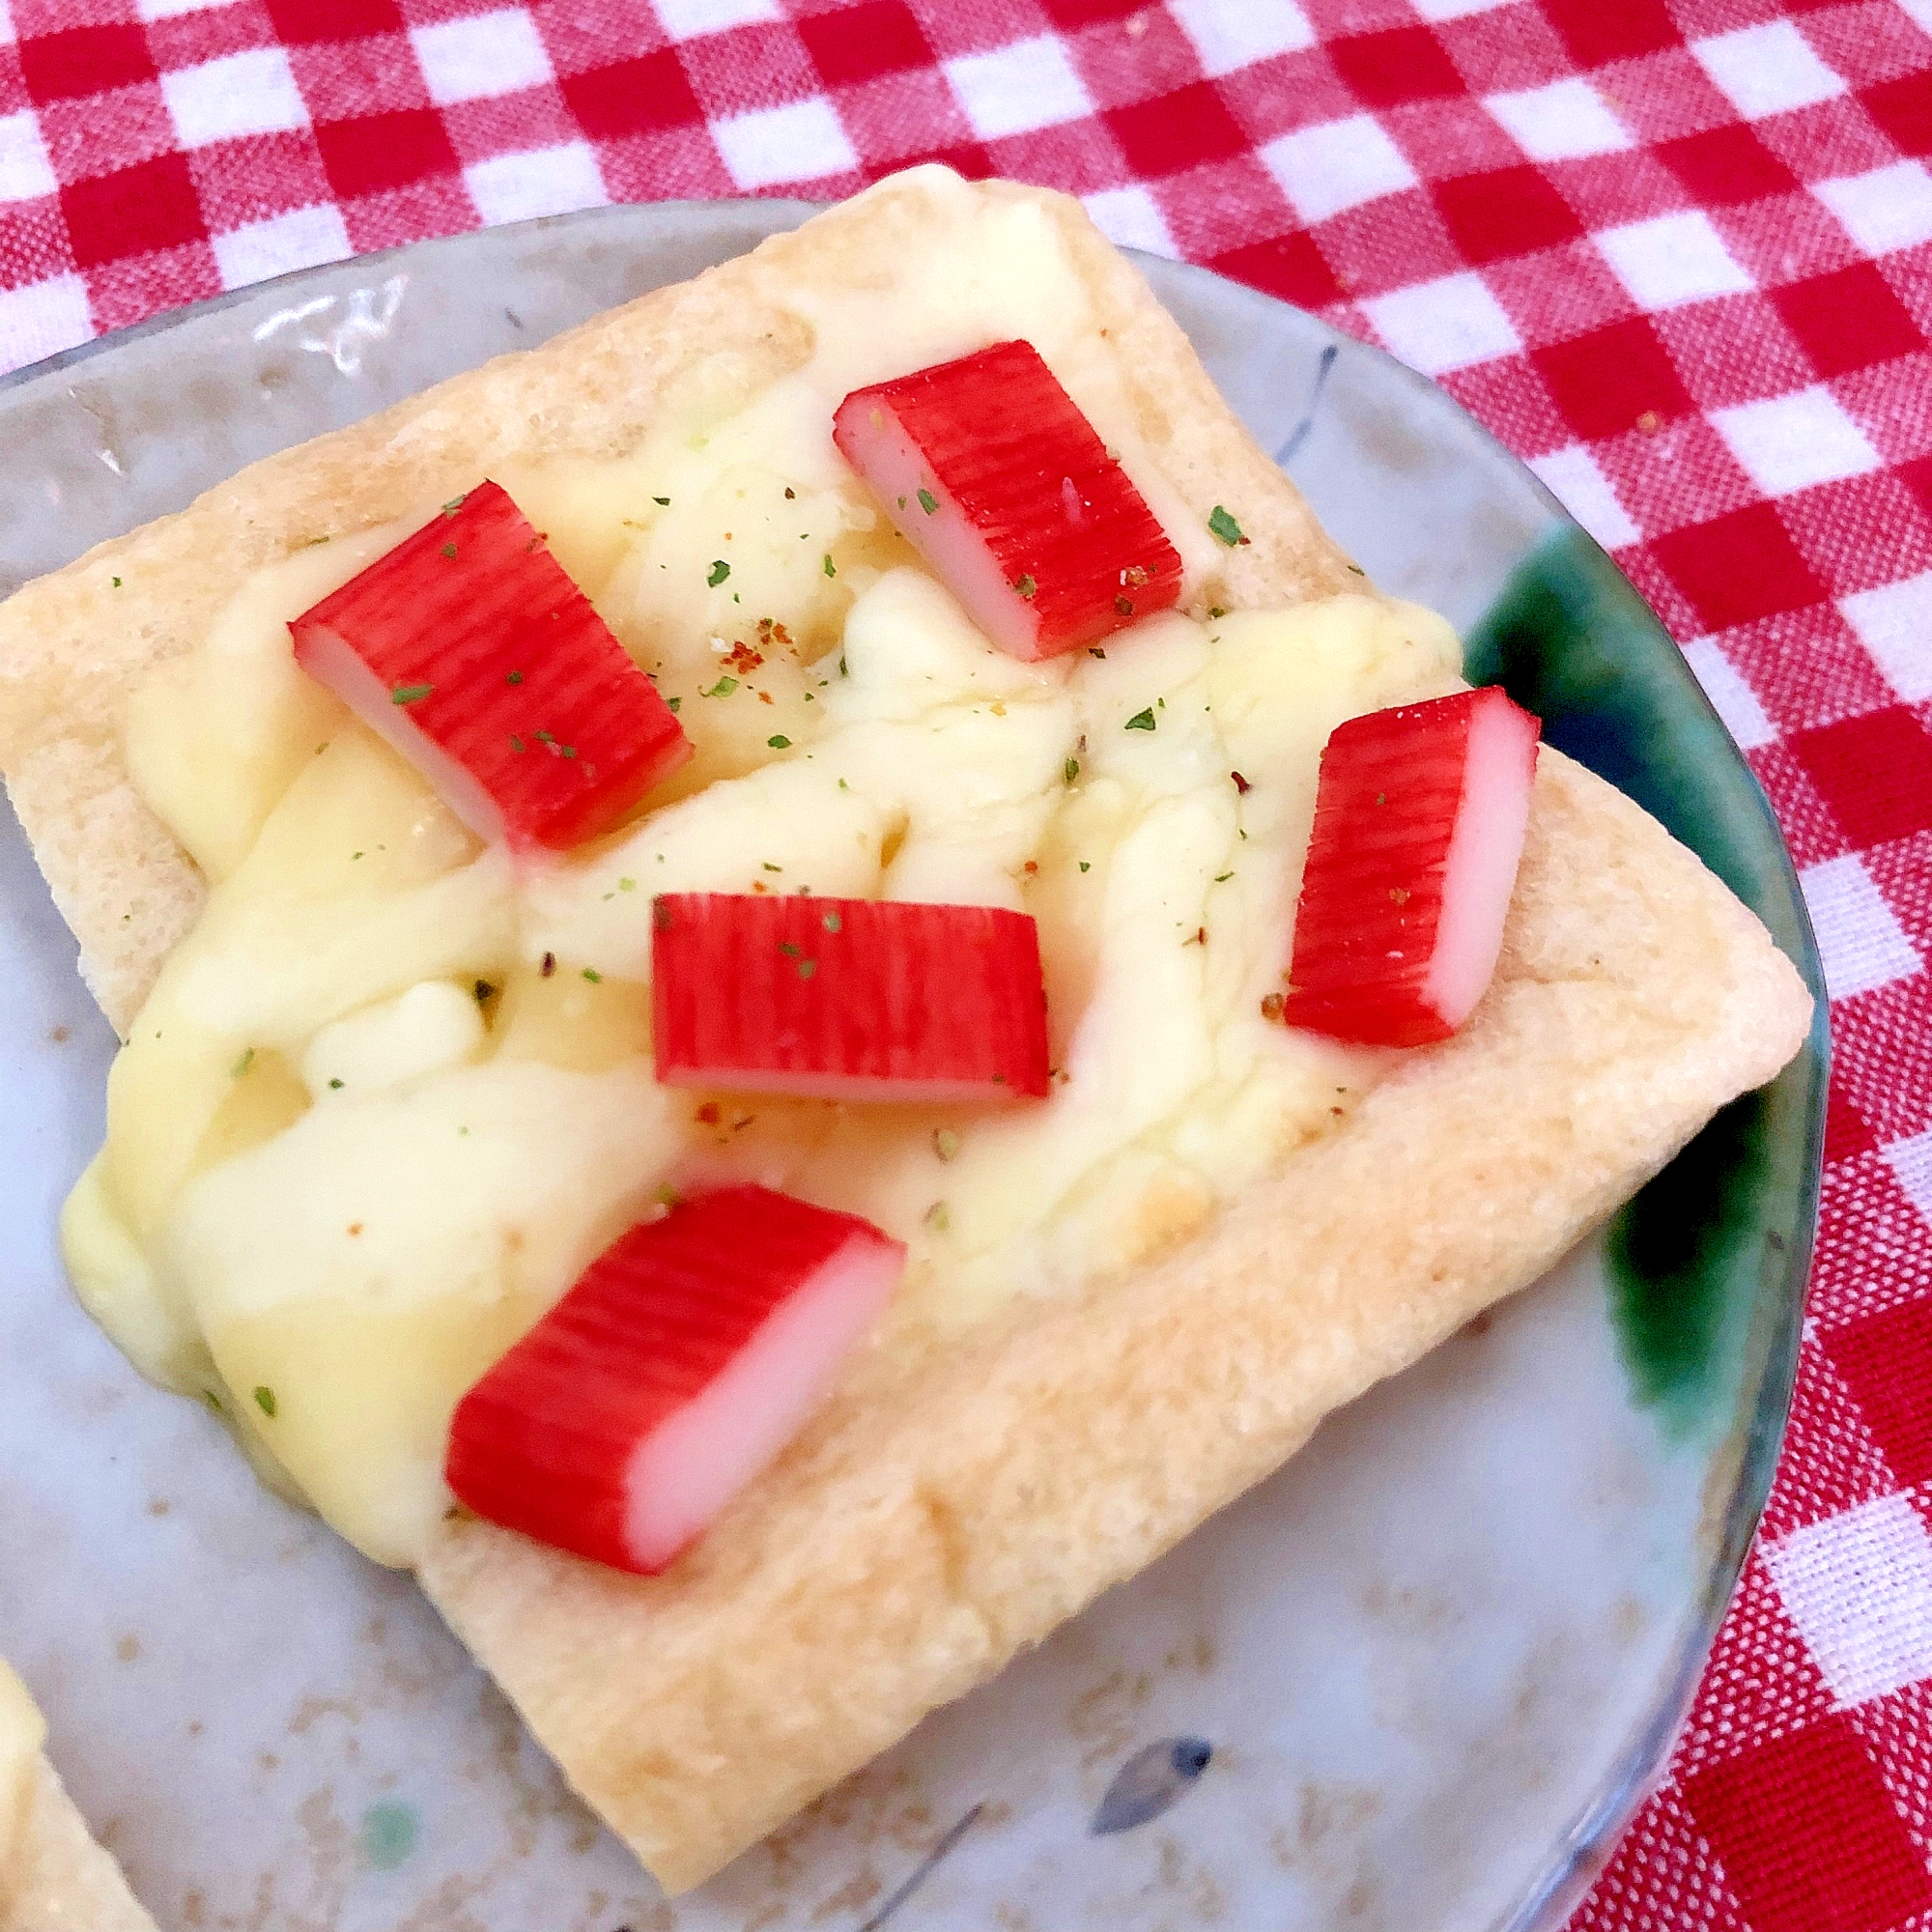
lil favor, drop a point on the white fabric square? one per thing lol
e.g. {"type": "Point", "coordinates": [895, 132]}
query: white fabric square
{"type": "Point", "coordinates": [1230, 34]}
{"type": "Point", "coordinates": [1585, 491]}
{"type": "Point", "coordinates": [1560, 121]}
{"type": "Point", "coordinates": [1910, 1162]}
{"type": "Point", "coordinates": [1014, 89]}
{"type": "Point", "coordinates": [1767, 70]}
{"type": "Point", "coordinates": [297, 239]}
{"type": "Point", "coordinates": [25, 171]}
{"type": "Point", "coordinates": [545, 181]}
{"type": "Point", "coordinates": [1736, 702]}
{"type": "Point", "coordinates": [251, 92]}
{"type": "Point", "coordinates": [686, 17]}
{"type": "Point", "coordinates": [1792, 442]}
{"type": "Point", "coordinates": [1920, 13]}
{"type": "Point", "coordinates": [1440, 325]}
{"type": "Point", "coordinates": [1457, 9]}
{"type": "Point", "coordinates": [1858, 1587]}
{"type": "Point", "coordinates": [165, 10]}
{"type": "Point", "coordinates": [43, 317]}
{"type": "Point", "coordinates": [1130, 217]}
{"type": "Point", "coordinates": [1859, 942]}
{"type": "Point", "coordinates": [1339, 164]}
{"type": "Point", "coordinates": [1894, 624]}
{"type": "Point", "coordinates": [796, 143]}
{"type": "Point", "coordinates": [6, 26]}
{"type": "Point", "coordinates": [482, 56]}
{"type": "Point", "coordinates": [1673, 259]}
{"type": "Point", "coordinates": [1887, 210]}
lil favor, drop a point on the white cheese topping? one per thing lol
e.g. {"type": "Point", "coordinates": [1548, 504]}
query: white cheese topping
{"type": "Point", "coordinates": [333, 1265]}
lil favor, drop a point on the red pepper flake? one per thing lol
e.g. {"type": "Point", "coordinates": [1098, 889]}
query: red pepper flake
{"type": "Point", "coordinates": [743, 658]}
{"type": "Point", "coordinates": [549, 964]}
{"type": "Point", "coordinates": [1241, 785]}
{"type": "Point", "coordinates": [1272, 1007]}
{"type": "Point", "coordinates": [1199, 938]}
{"type": "Point", "coordinates": [1030, 867]}
{"type": "Point", "coordinates": [707, 1116]}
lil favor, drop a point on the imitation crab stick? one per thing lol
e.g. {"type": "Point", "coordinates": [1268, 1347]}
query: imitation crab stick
{"type": "Point", "coordinates": [992, 473]}
{"type": "Point", "coordinates": [472, 652]}
{"type": "Point", "coordinates": [847, 999]}
{"type": "Point", "coordinates": [683, 1360]}
{"type": "Point", "coordinates": [1419, 821]}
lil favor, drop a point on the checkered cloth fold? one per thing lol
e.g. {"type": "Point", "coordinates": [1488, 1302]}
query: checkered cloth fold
{"type": "Point", "coordinates": [1676, 253]}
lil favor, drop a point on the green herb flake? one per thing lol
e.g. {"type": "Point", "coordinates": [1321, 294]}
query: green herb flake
{"type": "Point", "coordinates": [769, 866]}
{"type": "Point", "coordinates": [944, 1142]}
{"type": "Point", "coordinates": [844, 786]}
{"type": "Point", "coordinates": [806, 968]}
{"type": "Point", "coordinates": [513, 677]}
{"type": "Point", "coordinates": [117, 584]}
{"type": "Point", "coordinates": [335, 1086]}
{"type": "Point", "coordinates": [409, 693]}
{"type": "Point", "coordinates": [515, 743]}
{"type": "Point", "coordinates": [720, 571]}
{"type": "Point", "coordinates": [831, 923]}
{"type": "Point", "coordinates": [723, 688]}
{"type": "Point", "coordinates": [1222, 878]}
{"type": "Point", "coordinates": [1125, 606]}
{"type": "Point", "coordinates": [265, 1399]}
{"type": "Point", "coordinates": [483, 990]}
{"type": "Point", "coordinates": [902, 502]}
{"type": "Point", "coordinates": [927, 502]}
{"type": "Point", "coordinates": [790, 950]}
{"type": "Point", "coordinates": [939, 1217]}
{"type": "Point", "coordinates": [242, 1064]}
{"type": "Point", "coordinates": [1085, 866]}
{"type": "Point", "coordinates": [627, 885]}
{"type": "Point", "coordinates": [830, 569]}
{"type": "Point", "coordinates": [662, 502]}
{"type": "Point", "coordinates": [1071, 770]}
{"type": "Point", "coordinates": [1216, 610]}
{"type": "Point", "coordinates": [1226, 528]}
{"type": "Point", "coordinates": [1094, 651]}
{"type": "Point", "coordinates": [666, 1196]}
{"type": "Point", "coordinates": [449, 550]}
{"type": "Point", "coordinates": [591, 973]}
{"type": "Point", "coordinates": [450, 508]}
{"type": "Point", "coordinates": [1027, 588]}
{"type": "Point", "coordinates": [779, 742]}
{"type": "Point", "coordinates": [673, 705]}
{"type": "Point", "coordinates": [566, 751]}
{"type": "Point", "coordinates": [543, 737]}
{"type": "Point", "coordinates": [212, 1400]}
{"type": "Point", "coordinates": [1141, 721]}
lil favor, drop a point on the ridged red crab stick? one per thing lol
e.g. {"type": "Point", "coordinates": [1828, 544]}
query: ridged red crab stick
{"type": "Point", "coordinates": [472, 652]}
{"type": "Point", "coordinates": [683, 1360]}
{"type": "Point", "coordinates": [1419, 823]}
{"type": "Point", "coordinates": [1002, 486]}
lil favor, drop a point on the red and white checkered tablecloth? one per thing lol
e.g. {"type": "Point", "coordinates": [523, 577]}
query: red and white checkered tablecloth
{"type": "Point", "coordinates": [1677, 253]}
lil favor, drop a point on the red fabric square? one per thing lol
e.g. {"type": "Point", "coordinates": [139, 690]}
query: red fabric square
{"type": "Point", "coordinates": [1738, 567]}
{"type": "Point", "coordinates": [1598, 32]}
{"type": "Point", "coordinates": [1179, 130]}
{"type": "Point", "coordinates": [300, 21]}
{"type": "Point", "coordinates": [1861, 531]}
{"type": "Point", "coordinates": [634, 96]}
{"type": "Point", "coordinates": [378, 152]}
{"type": "Point", "coordinates": [1875, 771]}
{"type": "Point", "coordinates": [1886, 1361]}
{"type": "Point", "coordinates": [1401, 63]}
{"type": "Point", "coordinates": [1903, 109]}
{"type": "Point", "coordinates": [1846, 1132]}
{"type": "Point", "coordinates": [1808, 1834]}
{"type": "Point", "coordinates": [1291, 266]}
{"type": "Point", "coordinates": [85, 60]}
{"type": "Point", "coordinates": [1609, 380]}
{"type": "Point", "coordinates": [1090, 12]}
{"type": "Point", "coordinates": [861, 42]}
{"type": "Point", "coordinates": [756, 66]}
{"type": "Point", "coordinates": [1726, 165]}
{"type": "Point", "coordinates": [1509, 211]}
{"type": "Point", "coordinates": [1848, 320]}
{"type": "Point", "coordinates": [132, 212]}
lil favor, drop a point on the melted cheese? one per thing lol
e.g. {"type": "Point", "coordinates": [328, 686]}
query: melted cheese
{"type": "Point", "coordinates": [23, 1731]}
{"type": "Point", "coordinates": [393, 1092]}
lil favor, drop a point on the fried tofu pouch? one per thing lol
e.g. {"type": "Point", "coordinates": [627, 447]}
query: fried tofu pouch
{"type": "Point", "coordinates": [944, 1511]}
{"type": "Point", "coordinates": [54, 1877]}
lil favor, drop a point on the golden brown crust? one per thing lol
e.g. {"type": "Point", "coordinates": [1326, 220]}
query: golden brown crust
{"type": "Point", "coordinates": [56, 1878]}
{"type": "Point", "coordinates": [937, 1517]}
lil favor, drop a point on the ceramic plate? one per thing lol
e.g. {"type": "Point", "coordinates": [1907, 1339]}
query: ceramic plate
{"type": "Point", "coordinates": [1420, 1678]}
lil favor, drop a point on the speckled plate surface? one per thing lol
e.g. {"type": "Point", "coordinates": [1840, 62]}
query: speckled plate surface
{"type": "Point", "coordinates": [1417, 1680]}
